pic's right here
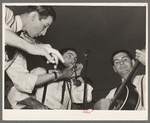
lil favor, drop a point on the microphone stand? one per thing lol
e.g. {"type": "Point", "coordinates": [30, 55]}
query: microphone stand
{"type": "Point", "coordinates": [86, 54]}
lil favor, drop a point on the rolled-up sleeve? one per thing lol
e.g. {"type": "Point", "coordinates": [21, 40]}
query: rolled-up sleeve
{"type": "Point", "coordinates": [78, 92]}
{"type": "Point", "coordinates": [20, 76]}
{"type": "Point", "coordinates": [9, 18]}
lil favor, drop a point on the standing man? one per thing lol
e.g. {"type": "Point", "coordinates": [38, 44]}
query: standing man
{"type": "Point", "coordinates": [123, 63]}
{"type": "Point", "coordinates": [34, 22]}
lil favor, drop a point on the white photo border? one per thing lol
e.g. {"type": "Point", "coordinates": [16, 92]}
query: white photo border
{"type": "Point", "coordinates": [73, 115]}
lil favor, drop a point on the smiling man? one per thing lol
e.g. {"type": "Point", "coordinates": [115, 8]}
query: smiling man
{"type": "Point", "coordinates": [123, 63]}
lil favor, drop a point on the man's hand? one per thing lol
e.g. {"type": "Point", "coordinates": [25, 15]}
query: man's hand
{"type": "Point", "coordinates": [32, 103]}
{"type": "Point", "coordinates": [34, 49]}
{"type": "Point", "coordinates": [66, 73]}
{"type": "Point", "coordinates": [141, 56]}
{"type": "Point", "coordinates": [102, 104]}
{"type": "Point", "coordinates": [62, 108]}
{"type": "Point", "coordinates": [55, 58]}
{"type": "Point", "coordinates": [38, 105]}
{"type": "Point", "coordinates": [51, 54]}
{"type": "Point", "coordinates": [78, 69]}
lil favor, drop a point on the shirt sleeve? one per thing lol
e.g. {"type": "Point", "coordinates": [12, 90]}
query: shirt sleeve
{"type": "Point", "coordinates": [20, 76]}
{"type": "Point", "coordinates": [78, 92]}
{"type": "Point", "coordinates": [7, 27]}
{"type": "Point", "coordinates": [9, 18]}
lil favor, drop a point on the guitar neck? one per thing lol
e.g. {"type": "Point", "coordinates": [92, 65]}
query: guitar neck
{"type": "Point", "coordinates": [132, 72]}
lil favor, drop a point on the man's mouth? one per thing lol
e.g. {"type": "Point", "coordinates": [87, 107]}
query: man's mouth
{"type": "Point", "coordinates": [121, 68]}
{"type": "Point", "coordinates": [70, 65]}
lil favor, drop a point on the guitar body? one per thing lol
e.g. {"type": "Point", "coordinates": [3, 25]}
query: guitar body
{"type": "Point", "coordinates": [127, 100]}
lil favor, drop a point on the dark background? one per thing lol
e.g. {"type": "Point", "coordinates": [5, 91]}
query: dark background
{"type": "Point", "coordinates": [102, 30]}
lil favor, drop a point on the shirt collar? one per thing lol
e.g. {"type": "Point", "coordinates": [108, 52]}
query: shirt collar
{"type": "Point", "coordinates": [19, 23]}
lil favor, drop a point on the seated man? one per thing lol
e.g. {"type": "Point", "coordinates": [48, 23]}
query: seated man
{"type": "Point", "coordinates": [123, 63]}
{"type": "Point", "coordinates": [62, 93]}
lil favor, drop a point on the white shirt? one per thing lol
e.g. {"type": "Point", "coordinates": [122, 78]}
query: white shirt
{"type": "Point", "coordinates": [13, 23]}
{"type": "Point", "coordinates": [54, 93]}
{"type": "Point", "coordinates": [24, 82]}
{"type": "Point", "coordinates": [137, 83]}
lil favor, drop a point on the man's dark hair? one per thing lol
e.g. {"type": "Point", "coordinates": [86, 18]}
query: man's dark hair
{"type": "Point", "coordinates": [43, 11]}
{"type": "Point", "coordinates": [119, 51]}
{"type": "Point", "coordinates": [64, 50]}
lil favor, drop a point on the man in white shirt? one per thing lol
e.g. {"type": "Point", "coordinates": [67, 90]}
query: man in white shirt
{"type": "Point", "coordinates": [35, 22]}
{"type": "Point", "coordinates": [24, 81]}
{"type": "Point", "coordinates": [62, 94]}
{"type": "Point", "coordinates": [123, 63]}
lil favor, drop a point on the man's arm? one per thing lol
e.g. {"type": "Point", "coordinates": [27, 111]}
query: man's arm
{"type": "Point", "coordinates": [104, 103]}
{"type": "Point", "coordinates": [14, 40]}
{"type": "Point", "coordinates": [49, 77]}
{"type": "Point", "coordinates": [25, 81]}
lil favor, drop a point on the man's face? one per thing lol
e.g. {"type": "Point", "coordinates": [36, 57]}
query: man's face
{"type": "Point", "coordinates": [38, 27]}
{"type": "Point", "coordinates": [122, 64]}
{"type": "Point", "coordinates": [70, 58]}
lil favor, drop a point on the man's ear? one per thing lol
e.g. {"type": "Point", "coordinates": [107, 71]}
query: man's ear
{"type": "Point", "coordinates": [34, 15]}
{"type": "Point", "coordinates": [115, 69]}
{"type": "Point", "coordinates": [133, 62]}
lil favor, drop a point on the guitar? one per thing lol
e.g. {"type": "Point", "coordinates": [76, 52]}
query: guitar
{"type": "Point", "coordinates": [126, 97]}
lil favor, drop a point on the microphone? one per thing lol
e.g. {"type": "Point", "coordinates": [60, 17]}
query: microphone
{"type": "Point", "coordinates": [75, 81]}
{"type": "Point", "coordinates": [86, 53]}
